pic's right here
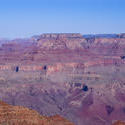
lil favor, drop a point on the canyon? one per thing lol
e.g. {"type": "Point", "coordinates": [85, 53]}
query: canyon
{"type": "Point", "coordinates": [79, 78]}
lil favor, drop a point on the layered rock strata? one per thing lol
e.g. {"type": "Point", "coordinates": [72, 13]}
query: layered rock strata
{"type": "Point", "coordinates": [17, 115]}
{"type": "Point", "coordinates": [81, 79]}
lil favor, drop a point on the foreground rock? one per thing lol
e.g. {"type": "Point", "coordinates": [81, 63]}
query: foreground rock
{"type": "Point", "coordinates": [16, 115]}
{"type": "Point", "coordinates": [119, 123]}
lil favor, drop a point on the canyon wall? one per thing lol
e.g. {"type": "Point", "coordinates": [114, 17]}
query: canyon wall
{"type": "Point", "coordinates": [80, 78]}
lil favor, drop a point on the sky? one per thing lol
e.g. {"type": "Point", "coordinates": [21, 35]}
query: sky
{"type": "Point", "coordinates": [25, 18]}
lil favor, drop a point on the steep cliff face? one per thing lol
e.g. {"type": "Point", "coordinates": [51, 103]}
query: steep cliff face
{"type": "Point", "coordinates": [60, 41]}
{"type": "Point", "coordinates": [17, 115]}
{"type": "Point", "coordinates": [60, 47]}
{"type": "Point", "coordinates": [76, 41]}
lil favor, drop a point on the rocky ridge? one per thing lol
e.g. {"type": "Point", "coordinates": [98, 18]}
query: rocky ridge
{"type": "Point", "coordinates": [17, 115]}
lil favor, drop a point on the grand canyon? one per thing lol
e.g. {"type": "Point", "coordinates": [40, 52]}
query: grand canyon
{"type": "Point", "coordinates": [70, 76]}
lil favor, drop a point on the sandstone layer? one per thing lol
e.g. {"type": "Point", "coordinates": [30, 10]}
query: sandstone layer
{"type": "Point", "coordinates": [119, 123]}
{"type": "Point", "coordinates": [17, 115]}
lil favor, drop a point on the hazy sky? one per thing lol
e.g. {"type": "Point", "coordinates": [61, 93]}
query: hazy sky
{"type": "Point", "coordinates": [24, 18]}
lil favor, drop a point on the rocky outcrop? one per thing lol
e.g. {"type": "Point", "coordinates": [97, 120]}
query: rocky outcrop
{"type": "Point", "coordinates": [60, 41]}
{"type": "Point", "coordinates": [17, 115]}
{"type": "Point", "coordinates": [119, 123]}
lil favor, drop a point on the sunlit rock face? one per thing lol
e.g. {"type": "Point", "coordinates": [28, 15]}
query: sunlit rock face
{"type": "Point", "coordinates": [60, 41]}
{"type": "Point", "coordinates": [119, 123]}
{"type": "Point", "coordinates": [79, 78]}
{"type": "Point", "coordinates": [17, 115]}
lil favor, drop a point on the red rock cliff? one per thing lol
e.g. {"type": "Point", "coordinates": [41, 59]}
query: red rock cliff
{"type": "Point", "coordinates": [16, 115]}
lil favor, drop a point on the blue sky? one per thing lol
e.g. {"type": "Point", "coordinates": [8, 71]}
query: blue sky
{"type": "Point", "coordinates": [24, 18]}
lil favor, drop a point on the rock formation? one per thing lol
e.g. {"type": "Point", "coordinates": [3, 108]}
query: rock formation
{"type": "Point", "coordinates": [17, 115]}
{"type": "Point", "coordinates": [80, 78]}
{"type": "Point", "coordinates": [119, 123]}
